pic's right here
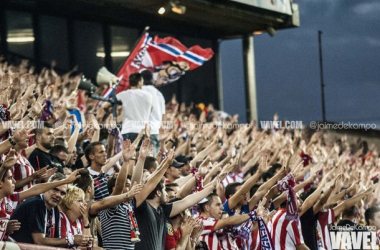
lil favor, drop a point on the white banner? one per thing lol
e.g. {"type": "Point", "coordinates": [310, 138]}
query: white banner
{"type": "Point", "coordinates": [282, 6]}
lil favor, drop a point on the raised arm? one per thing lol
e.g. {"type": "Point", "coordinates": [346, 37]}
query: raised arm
{"type": "Point", "coordinates": [41, 188]}
{"type": "Point", "coordinates": [352, 201]}
{"type": "Point", "coordinates": [154, 179]}
{"type": "Point", "coordinates": [193, 199]}
{"type": "Point", "coordinates": [263, 189]}
{"type": "Point", "coordinates": [201, 155]}
{"type": "Point", "coordinates": [73, 139]}
{"type": "Point", "coordinates": [114, 200]}
{"type": "Point", "coordinates": [242, 192]}
{"type": "Point", "coordinates": [318, 207]}
{"type": "Point", "coordinates": [145, 150]}
{"type": "Point", "coordinates": [127, 153]}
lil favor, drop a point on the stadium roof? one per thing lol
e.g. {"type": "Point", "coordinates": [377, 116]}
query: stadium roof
{"type": "Point", "coordinates": [203, 18]}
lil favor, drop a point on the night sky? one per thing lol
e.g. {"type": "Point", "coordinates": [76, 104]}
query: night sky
{"type": "Point", "coordinates": [287, 65]}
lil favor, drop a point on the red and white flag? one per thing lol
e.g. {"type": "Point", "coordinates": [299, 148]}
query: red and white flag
{"type": "Point", "coordinates": [167, 58]}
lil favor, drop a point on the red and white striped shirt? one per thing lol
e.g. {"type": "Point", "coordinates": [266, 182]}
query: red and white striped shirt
{"type": "Point", "coordinates": [208, 235]}
{"type": "Point", "coordinates": [325, 218]}
{"type": "Point", "coordinates": [254, 240]}
{"type": "Point", "coordinates": [68, 228]}
{"type": "Point", "coordinates": [21, 170]}
{"type": "Point", "coordinates": [232, 178]}
{"type": "Point", "coordinates": [227, 241]}
{"type": "Point", "coordinates": [7, 206]}
{"type": "Point", "coordinates": [286, 234]}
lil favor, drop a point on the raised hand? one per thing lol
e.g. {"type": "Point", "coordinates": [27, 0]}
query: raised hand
{"type": "Point", "coordinates": [146, 149]}
{"type": "Point", "coordinates": [39, 173]}
{"type": "Point", "coordinates": [263, 166]}
{"type": "Point", "coordinates": [136, 189]}
{"type": "Point", "coordinates": [128, 150]}
{"type": "Point", "coordinates": [10, 160]}
{"type": "Point", "coordinates": [74, 176]}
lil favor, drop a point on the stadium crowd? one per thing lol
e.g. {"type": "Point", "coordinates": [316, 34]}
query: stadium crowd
{"type": "Point", "coordinates": [70, 178]}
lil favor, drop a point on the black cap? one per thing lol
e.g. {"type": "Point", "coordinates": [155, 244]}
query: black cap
{"type": "Point", "coordinates": [177, 164]}
{"type": "Point", "coordinates": [183, 158]}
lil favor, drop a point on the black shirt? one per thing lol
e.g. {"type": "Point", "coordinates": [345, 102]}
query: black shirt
{"type": "Point", "coordinates": [309, 229]}
{"type": "Point", "coordinates": [35, 218]}
{"type": "Point", "coordinates": [40, 159]}
{"type": "Point", "coordinates": [151, 223]}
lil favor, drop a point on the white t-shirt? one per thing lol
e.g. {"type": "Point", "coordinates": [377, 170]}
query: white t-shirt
{"type": "Point", "coordinates": [155, 117]}
{"type": "Point", "coordinates": [137, 106]}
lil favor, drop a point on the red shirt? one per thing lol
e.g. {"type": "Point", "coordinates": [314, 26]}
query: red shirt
{"type": "Point", "coordinates": [172, 236]}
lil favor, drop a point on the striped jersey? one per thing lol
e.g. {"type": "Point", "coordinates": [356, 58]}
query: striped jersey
{"type": "Point", "coordinates": [325, 218]}
{"type": "Point", "coordinates": [232, 178]}
{"type": "Point", "coordinates": [21, 170]}
{"type": "Point", "coordinates": [68, 228]}
{"type": "Point", "coordinates": [7, 206]}
{"type": "Point", "coordinates": [208, 235]}
{"type": "Point", "coordinates": [286, 234]}
{"type": "Point", "coordinates": [116, 227]}
{"type": "Point", "coordinates": [100, 184]}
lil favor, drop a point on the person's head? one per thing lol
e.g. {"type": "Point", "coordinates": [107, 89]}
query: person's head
{"type": "Point", "coordinates": [158, 194]}
{"type": "Point", "coordinates": [170, 194]}
{"type": "Point", "coordinates": [212, 206]}
{"type": "Point", "coordinates": [150, 164]}
{"type": "Point", "coordinates": [7, 183]}
{"type": "Point", "coordinates": [350, 213]}
{"type": "Point", "coordinates": [112, 182]}
{"type": "Point", "coordinates": [232, 188]}
{"type": "Point", "coordinates": [96, 154]}
{"type": "Point", "coordinates": [185, 169]}
{"type": "Point", "coordinates": [173, 172]}
{"type": "Point", "coordinates": [44, 136]}
{"type": "Point", "coordinates": [372, 217]}
{"type": "Point", "coordinates": [61, 152]}
{"type": "Point", "coordinates": [73, 200]}
{"type": "Point", "coordinates": [54, 196]}
{"type": "Point", "coordinates": [73, 158]}
{"type": "Point", "coordinates": [136, 80]}
{"type": "Point", "coordinates": [86, 183]}
{"type": "Point", "coordinates": [148, 77]}
{"type": "Point", "coordinates": [174, 186]}
{"type": "Point", "coordinates": [193, 150]}
{"type": "Point", "coordinates": [60, 141]}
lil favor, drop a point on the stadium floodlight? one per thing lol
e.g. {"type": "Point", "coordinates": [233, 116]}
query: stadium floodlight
{"type": "Point", "coordinates": [161, 10]}
{"type": "Point", "coordinates": [177, 8]}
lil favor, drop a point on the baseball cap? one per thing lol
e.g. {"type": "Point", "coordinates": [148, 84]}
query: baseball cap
{"type": "Point", "coordinates": [177, 164]}
{"type": "Point", "coordinates": [183, 158]}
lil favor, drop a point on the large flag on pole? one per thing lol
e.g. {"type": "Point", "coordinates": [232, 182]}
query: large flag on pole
{"type": "Point", "coordinates": [167, 58]}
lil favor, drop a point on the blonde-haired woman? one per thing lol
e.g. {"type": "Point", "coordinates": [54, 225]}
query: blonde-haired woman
{"type": "Point", "coordinates": [75, 227]}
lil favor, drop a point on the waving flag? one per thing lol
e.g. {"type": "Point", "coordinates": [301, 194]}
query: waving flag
{"type": "Point", "coordinates": [167, 58]}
